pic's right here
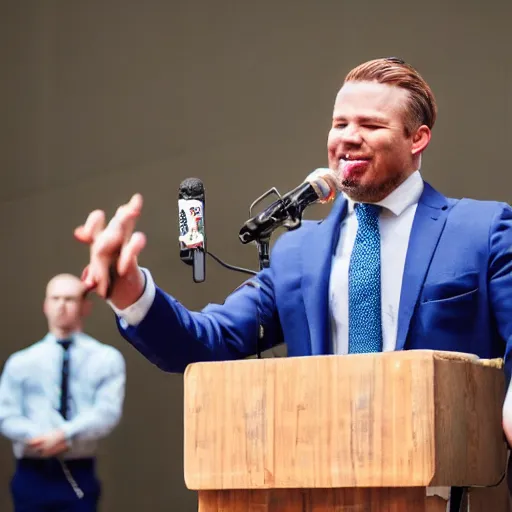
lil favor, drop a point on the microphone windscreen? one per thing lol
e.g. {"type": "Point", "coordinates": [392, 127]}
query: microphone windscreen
{"type": "Point", "coordinates": [325, 184]}
{"type": "Point", "coordinates": [191, 188]}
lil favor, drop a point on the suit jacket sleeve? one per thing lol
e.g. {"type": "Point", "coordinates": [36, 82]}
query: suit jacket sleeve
{"type": "Point", "coordinates": [172, 337]}
{"type": "Point", "coordinates": [500, 278]}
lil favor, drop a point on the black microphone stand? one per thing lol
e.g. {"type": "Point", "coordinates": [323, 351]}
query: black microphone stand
{"type": "Point", "coordinates": [263, 252]}
{"type": "Point", "coordinates": [293, 221]}
{"type": "Point", "coordinates": [263, 241]}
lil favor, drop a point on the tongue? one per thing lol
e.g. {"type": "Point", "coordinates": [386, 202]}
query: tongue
{"type": "Point", "coordinates": [352, 167]}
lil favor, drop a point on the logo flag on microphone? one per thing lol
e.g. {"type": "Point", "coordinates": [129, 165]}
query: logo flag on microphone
{"type": "Point", "coordinates": [191, 224]}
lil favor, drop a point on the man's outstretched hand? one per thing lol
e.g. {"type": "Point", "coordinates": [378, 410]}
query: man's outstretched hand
{"type": "Point", "coordinates": [115, 245]}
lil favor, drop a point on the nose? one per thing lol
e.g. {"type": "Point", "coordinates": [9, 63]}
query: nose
{"type": "Point", "coordinates": [351, 135]}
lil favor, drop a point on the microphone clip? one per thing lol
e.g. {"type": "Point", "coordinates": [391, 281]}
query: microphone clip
{"type": "Point", "coordinates": [292, 220]}
{"type": "Point", "coordinates": [271, 218]}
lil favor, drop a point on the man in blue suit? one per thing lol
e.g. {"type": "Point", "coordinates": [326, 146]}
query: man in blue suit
{"type": "Point", "coordinates": [395, 265]}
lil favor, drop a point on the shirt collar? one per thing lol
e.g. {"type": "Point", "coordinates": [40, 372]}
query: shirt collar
{"type": "Point", "coordinates": [405, 195]}
{"type": "Point", "coordinates": [53, 339]}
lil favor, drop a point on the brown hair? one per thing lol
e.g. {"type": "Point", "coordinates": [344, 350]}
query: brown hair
{"type": "Point", "coordinates": [394, 71]}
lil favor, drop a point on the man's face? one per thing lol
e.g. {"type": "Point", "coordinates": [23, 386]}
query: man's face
{"type": "Point", "coordinates": [368, 145]}
{"type": "Point", "coordinates": [63, 304]}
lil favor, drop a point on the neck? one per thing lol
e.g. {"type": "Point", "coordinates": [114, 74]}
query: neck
{"type": "Point", "coordinates": [62, 333]}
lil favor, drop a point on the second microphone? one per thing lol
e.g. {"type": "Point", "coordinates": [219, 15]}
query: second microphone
{"type": "Point", "coordinates": [319, 187]}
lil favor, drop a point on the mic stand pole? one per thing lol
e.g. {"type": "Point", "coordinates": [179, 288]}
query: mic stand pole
{"type": "Point", "coordinates": [264, 252]}
{"type": "Point", "coordinates": [263, 245]}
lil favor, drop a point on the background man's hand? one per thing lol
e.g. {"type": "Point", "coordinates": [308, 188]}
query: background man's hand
{"type": "Point", "coordinates": [48, 445]}
{"type": "Point", "coordinates": [114, 244]}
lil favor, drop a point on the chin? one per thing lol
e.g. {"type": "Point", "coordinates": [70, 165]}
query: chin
{"type": "Point", "coordinates": [63, 326]}
{"type": "Point", "coordinates": [362, 192]}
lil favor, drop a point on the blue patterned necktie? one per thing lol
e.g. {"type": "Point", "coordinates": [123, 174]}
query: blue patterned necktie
{"type": "Point", "coordinates": [364, 300]}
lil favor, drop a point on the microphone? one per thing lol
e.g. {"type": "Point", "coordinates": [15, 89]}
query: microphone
{"type": "Point", "coordinates": [192, 237]}
{"type": "Point", "coordinates": [320, 186]}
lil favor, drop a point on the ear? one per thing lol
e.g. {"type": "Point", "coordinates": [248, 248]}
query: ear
{"type": "Point", "coordinates": [420, 139]}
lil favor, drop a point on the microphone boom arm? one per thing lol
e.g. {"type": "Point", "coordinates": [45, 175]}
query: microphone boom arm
{"type": "Point", "coordinates": [285, 212]}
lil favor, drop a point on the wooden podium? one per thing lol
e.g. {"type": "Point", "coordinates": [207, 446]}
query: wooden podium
{"type": "Point", "coordinates": [365, 432]}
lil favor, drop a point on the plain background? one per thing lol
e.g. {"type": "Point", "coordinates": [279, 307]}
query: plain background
{"type": "Point", "coordinates": [100, 99]}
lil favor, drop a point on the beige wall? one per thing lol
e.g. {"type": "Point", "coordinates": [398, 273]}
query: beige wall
{"type": "Point", "coordinates": [104, 98]}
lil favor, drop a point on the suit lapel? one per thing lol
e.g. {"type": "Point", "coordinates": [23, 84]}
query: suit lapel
{"type": "Point", "coordinates": [427, 227]}
{"type": "Point", "coordinates": [316, 255]}
{"type": "Point", "coordinates": [319, 246]}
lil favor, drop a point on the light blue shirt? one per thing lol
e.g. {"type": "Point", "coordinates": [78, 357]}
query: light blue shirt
{"type": "Point", "coordinates": [30, 393]}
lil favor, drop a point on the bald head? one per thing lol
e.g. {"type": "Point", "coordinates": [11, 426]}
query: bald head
{"type": "Point", "coordinates": [65, 304]}
{"type": "Point", "coordinates": [68, 281]}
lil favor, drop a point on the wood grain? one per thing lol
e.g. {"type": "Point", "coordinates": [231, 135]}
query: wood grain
{"type": "Point", "coordinates": [398, 419]}
{"type": "Point", "coordinates": [411, 499]}
{"type": "Point", "coordinates": [315, 500]}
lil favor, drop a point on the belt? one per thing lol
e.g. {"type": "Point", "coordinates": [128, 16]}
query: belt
{"type": "Point", "coordinates": [54, 463]}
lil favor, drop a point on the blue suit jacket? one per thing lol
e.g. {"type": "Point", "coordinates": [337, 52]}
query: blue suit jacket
{"type": "Point", "coordinates": [456, 292]}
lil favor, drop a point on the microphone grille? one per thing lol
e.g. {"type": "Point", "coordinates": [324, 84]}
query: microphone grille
{"type": "Point", "coordinates": [325, 184]}
{"type": "Point", "coordinates": [191, 188]}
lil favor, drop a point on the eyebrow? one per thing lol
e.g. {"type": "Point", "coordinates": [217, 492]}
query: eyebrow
{"type": "Point", "coordinates": [363, 119]}
{"type": "Point", "coordinates": [65, 296]}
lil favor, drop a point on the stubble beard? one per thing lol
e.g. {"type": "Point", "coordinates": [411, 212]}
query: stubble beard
{"type": "Point", "coordinates": [371, 193]}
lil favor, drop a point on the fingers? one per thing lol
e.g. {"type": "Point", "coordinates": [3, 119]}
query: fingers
{"type": "Point", "coordinates": [94, 224]}
{"type": "Point", "coordinates": [36, 442]}
{"type": "Point", "coordinates": [51, 451]}
{"type": "Point", "coordinates": [507, 428]}
{"type": "Point", "coordinates": [84, 276]}
{"type": "Point", "coordinates": [126, 216]}
{"type": "Point", "coordinates": [118, 231]}
{"type": "Point", "coordinates": [88, 279]}
{"type": "Point", "coordinates": [58, 450]}
{"type": "Point", "coordinates": [130, 252]}
{"type": "Point", "coordinates": [111, 244]}
{"type": "Point", "coordinates": [507, 415]}
{"type": "Point", "coordinates": [97, 276]}
{"type": "Point", "coordinates": [38, 445]}
{"type": "Point", "coordinates": [54, 449]}
{"type": "Point", "coordinates": [48, 445]}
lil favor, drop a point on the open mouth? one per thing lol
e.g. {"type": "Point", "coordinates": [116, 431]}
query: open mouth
{"type": "Point", "coordinates": [351, 165]}
{"type": "Point", "coordinates": [354, 158]}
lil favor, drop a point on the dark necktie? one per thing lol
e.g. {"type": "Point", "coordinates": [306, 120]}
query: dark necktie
{"type": "Point", "coordinates": [64, 383]}
{"type": "Point", "coordinates": [364, 297]}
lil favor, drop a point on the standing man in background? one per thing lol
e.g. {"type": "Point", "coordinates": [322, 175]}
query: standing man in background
{"type": "Point", "coordinates": [58, 397]}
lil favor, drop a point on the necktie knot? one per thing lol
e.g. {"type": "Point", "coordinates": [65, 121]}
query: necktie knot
{"type": "Point", "coordinates": [367, 214]}
{"type": "Point", "coordinates": [65, 343]}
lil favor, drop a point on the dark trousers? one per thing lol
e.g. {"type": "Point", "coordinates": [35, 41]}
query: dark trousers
{"type": "Point", "coordinates": [40, 485]}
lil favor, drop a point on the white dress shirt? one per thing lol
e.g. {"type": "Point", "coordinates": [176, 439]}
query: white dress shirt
{"type": "Point", "coordinates": [134, 314]}
{"type": "Point", "coordinates": [395, 223]}
{"type": "Point", "coordinates": [30, 389]}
